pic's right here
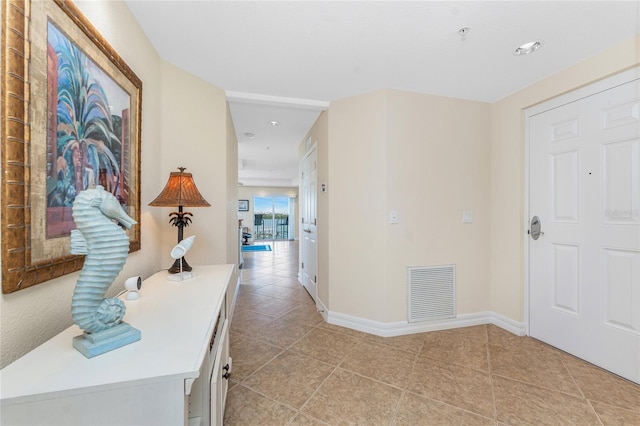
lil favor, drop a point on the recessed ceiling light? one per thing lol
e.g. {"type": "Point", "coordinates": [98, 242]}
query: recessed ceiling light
{"type": "Point", "coordinates": [274, 123]}
{"type": "Point", "coordinates": [528, 48]}
{"type": "Point", "coordinates": [250, 135]}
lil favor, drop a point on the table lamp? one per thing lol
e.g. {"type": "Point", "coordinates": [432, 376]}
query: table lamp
{"type": "Point", "coordinates": [180, 191]}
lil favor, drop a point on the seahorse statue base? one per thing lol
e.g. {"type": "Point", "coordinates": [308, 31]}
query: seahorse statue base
{"type": "Point", "coordinates": [93, 344]}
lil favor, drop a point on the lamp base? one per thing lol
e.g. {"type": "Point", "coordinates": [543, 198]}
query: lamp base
{"type": "Point", "coordinates": [181, 276]}
{"type": "Point", "coordinates": [175, 268]}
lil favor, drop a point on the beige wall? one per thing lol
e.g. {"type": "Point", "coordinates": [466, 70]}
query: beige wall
{"type": "Point", "coordinates": [198, 134]}
{"type": "Point", "coordinates": [427, 158]}
{"type": "Point", "coordinates": [194, 136]}
{"type": "Point", "coordinates": [438, 166]}
{"type": "Point", "coordinates": [185, 121]}
{"type": "Point", "coordinates": [357, 205]}
{"type": "Point", "coordinates": [231, 184]}
{"type": "Point", "coordinates": [231, 206]}
{"type": "Point", "coordinates": [508, 225]}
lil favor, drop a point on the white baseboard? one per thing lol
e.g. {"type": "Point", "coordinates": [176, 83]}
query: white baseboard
{"type": "Point", "coordinates": [404, 327]}
{"type": "Point", "coordinates": [506, 323]}
{"type": "Point", "coordinates": [322, 309]}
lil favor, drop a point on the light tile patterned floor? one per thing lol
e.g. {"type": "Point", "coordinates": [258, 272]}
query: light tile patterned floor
{"type": "Point", "coordinates": [291, 368]}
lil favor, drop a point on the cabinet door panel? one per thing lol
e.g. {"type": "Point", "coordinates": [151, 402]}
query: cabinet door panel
{"type": "Point", "coordinates": [219, 377]}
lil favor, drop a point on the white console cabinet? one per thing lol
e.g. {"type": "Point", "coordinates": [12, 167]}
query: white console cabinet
{"type": "Point", "coordinates": [175, 375]}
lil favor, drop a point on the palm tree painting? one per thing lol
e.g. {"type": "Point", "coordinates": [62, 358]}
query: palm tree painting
{"type": "Point", "coordinates": [88, 114]}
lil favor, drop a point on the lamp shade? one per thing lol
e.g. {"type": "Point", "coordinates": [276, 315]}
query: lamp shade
{"type": "Point", "coordinates": [180, 190]}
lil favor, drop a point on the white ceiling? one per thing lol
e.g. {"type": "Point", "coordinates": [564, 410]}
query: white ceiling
{"type": "Point", "coordinates": [287, 60]}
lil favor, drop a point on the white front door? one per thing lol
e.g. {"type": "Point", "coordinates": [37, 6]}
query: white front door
{"type": "Point", "coordinates": [584, 187]}
{"type": "Point", "coordinates": [308, 219]}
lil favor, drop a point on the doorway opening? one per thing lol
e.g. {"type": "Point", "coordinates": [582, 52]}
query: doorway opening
{"type": "Point", "coordinates": [273, 218]}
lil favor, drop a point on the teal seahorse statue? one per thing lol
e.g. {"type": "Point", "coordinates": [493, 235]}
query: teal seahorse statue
{"type": "Point", "coordinates": [98, 235]}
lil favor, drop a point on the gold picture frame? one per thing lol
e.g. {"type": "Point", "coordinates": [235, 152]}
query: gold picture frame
{"type": "Point", "coordinates": [48, 153]}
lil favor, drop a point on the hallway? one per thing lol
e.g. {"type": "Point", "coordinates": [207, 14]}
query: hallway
{"type": "Point", "coordinates": [292, 368]}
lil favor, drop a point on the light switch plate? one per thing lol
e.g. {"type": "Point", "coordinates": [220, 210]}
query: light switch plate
{"type": "Point", "coordinates": [467, 216]}
{"type": "Point", "coordinates": [393, 216]}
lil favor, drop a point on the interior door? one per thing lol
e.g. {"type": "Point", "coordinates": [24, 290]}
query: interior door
{"type": "Point", "coordinates": [308, 222]}
{"type": "Point", "coordinates": [584, 250]}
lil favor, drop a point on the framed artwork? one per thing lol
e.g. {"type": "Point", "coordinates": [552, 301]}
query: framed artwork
{"type": "Point", "coordinates": [70, 121]}
{"type": "Point", "coordinates": [243, 205]}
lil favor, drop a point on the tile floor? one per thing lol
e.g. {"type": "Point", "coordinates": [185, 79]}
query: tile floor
{"type": "Point", "coordinates": [291, 368]}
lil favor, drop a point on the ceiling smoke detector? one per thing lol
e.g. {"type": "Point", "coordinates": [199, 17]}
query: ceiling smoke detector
{"type": "Point", "coordinates": [527, 48]}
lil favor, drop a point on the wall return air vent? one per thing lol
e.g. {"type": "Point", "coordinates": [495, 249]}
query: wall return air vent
{"type": "Point", "coordinates": [432, 293]}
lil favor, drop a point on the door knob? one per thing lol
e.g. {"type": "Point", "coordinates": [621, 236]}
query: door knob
{"type": "Point", "coordinates": [536, 226]}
